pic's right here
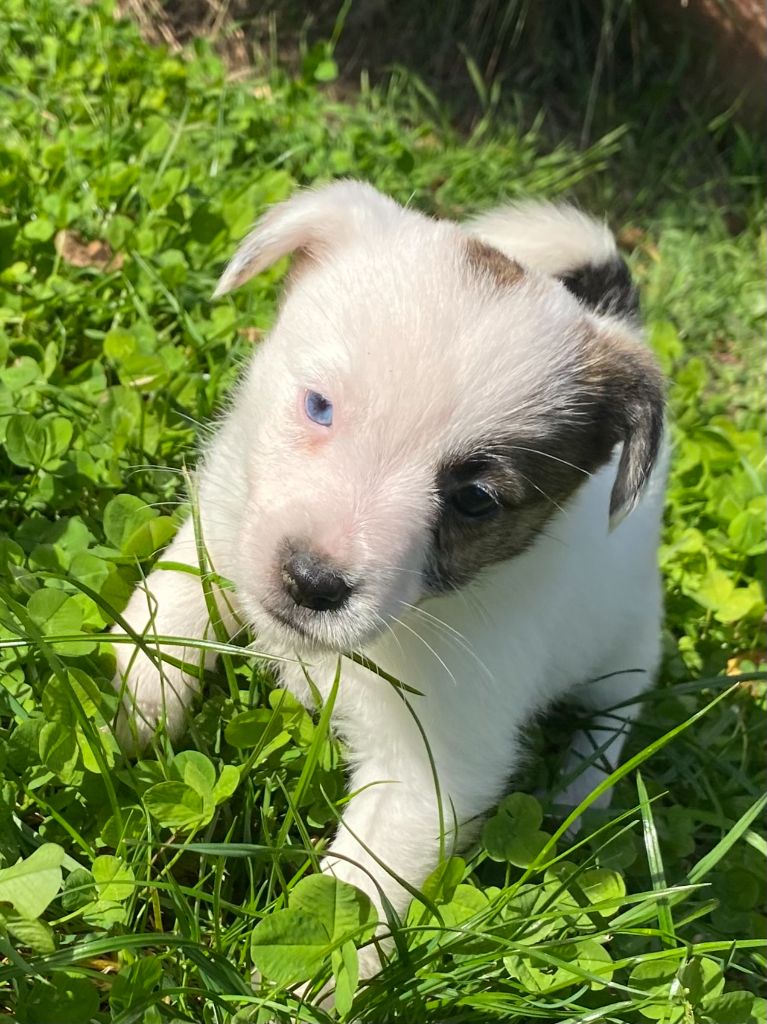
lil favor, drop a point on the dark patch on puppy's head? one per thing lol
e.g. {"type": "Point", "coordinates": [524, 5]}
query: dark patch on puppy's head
{"type": "Point", "coordinates": [632, 413]}
{"type": "Point", "coordinates": [611, 394]}
{"type": "Point", "coordinates": [605, 288]}
{"type": "Point", "coordinates": [528, 487]}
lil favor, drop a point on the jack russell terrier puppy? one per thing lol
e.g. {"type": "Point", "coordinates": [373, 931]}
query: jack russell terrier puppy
{"type": "Point", "coordinates": [448, 457]}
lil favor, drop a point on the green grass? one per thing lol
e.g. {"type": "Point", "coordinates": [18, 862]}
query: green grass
{"type": "Point", "coordinates": [129, 892]}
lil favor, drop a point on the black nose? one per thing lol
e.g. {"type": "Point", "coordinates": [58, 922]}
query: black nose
{"type": "Point", "coordinates": [313, 583]}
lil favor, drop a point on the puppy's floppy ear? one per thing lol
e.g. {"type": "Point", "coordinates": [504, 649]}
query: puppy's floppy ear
{"type": "Point", "coordinates": [314, 222]}
{"type": "Point", "coordinates": [633, 402]}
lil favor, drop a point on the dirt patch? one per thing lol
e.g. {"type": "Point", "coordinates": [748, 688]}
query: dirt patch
{"type": "Point", "coordinates": [461, 50]}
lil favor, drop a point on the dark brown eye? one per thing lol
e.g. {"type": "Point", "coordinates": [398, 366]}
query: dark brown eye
{"type": "Point", "coordinates": [474, 501]}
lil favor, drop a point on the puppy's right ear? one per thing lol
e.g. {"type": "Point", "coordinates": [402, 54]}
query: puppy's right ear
{"type": "Point", "coordinates": [312, 222]}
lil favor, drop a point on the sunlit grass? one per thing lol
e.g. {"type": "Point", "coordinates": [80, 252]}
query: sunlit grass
{"type": "Point", "coordinates": [146, 890]}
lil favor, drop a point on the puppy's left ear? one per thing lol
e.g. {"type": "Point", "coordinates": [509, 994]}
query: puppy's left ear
{"type": "Point", "coordinates": [312, 222]}
{"type": "Point", "coordinates": [634, 396]}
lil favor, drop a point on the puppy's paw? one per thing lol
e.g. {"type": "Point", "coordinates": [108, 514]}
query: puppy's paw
{"type": "Point", "coordinates": [153, 695]}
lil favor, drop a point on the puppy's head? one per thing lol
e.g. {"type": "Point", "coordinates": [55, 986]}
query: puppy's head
{"type": "Point", "coordinates": [422, 406]}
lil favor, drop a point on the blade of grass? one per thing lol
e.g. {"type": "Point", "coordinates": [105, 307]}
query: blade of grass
{"type": "Point", "coordinates": [655, 862]}
{"type": "Point", "coordinates": [726, 843]}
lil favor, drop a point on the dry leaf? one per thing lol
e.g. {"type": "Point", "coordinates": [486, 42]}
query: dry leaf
{"type": "Point", "coordinates": [251, 334]}
{"type": "Point", "coordinates": [630, 237]}
{"type": "Point", "coordinates": [74, 250]}
{"type": "Point", "coordinates": [756, 658]}
{"type": "Point", "coordinates": [100, 963]}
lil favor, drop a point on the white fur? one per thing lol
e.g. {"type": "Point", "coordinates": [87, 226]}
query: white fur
{"type": "Point", "coordinates": [379, 318]}
{"type": "Point", "coordinates": [551, 237]}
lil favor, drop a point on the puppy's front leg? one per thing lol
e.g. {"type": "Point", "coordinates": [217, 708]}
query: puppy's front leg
{"type": "Point", "coordinates": [169, 603]}
{"type": "Point", "coordinates": [391, 829]}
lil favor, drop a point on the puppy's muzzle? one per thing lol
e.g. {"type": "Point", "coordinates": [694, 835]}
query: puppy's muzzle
{"type": "Point", "coordinates": [313, 583]}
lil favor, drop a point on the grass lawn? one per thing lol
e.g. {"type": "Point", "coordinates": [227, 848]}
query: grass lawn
{"type": "Point", "coordinates": [129, 892]}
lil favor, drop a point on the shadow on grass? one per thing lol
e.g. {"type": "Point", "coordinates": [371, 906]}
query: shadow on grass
{"type": "Point", "coordinates": [576, 71]}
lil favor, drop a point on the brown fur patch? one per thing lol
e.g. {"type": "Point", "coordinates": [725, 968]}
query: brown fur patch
{"type": "Point", "coordinates": [632, 411]}
{"type": "Point", "coordinates": [532, 478]}
{"type": "Point", "coordinates": [486, 261]}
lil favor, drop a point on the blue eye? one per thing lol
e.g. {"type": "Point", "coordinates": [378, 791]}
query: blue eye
{"type": "Point", "coordinates": [318, 408]}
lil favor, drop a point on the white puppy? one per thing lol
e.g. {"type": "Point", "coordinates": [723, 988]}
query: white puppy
{"type": "Point", "coordinates": [431, 461]}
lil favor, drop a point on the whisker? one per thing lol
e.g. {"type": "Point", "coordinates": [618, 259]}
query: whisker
{"type": "Point", "coordinates": [548, 455]}
{"type": "Point", "coordinates": [147, 466]}
{"type": "Point", "coordinates": [453, 636]}
{"type": "Point", "coordinates": [427, 645]}
{"type": "Point", "coordinates": [541, 491]}
{"type": "Point", "coordinates": [387, 625]}
{"type": "Point", "coordinates": [435, 618]}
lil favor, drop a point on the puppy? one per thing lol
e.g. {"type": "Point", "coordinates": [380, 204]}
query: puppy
{"type": "Point", "coordinates": [447, 457]}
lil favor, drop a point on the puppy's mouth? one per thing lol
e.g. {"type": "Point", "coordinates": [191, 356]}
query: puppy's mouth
{"type": "Point", "coordinates": [308, 634]}
{"type": "Point", "coordinates": [290, 623]}
{"type": "Point", "coordinates": [326, 632]}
